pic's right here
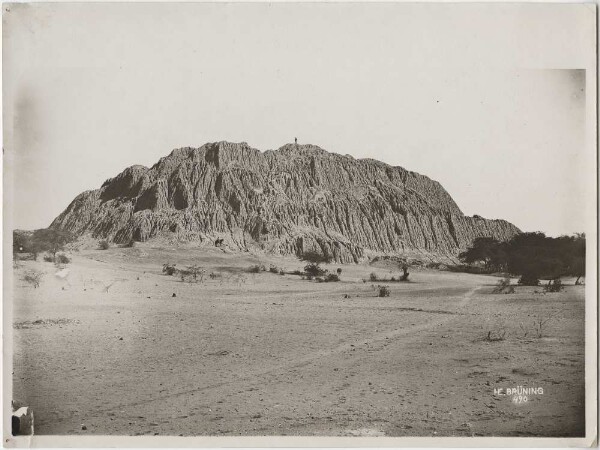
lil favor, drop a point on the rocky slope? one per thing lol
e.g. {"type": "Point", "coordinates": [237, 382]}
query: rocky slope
{"type": "Point", "coordinates": [286, 201]}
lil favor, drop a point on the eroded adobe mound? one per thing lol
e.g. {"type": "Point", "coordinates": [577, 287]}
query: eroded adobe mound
{"type": "Point", "coordinates": [285, 201]}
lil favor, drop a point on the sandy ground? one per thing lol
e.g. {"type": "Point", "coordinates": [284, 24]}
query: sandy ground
{"type": "Point", "coordinates": [109, 350]}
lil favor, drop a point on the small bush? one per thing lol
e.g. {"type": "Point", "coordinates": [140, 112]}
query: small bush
{"type": "Point", "coordinates": [541, 321]}
{"type": "Point", "coordinates": [196, 273]}
{"type": "Point", "coordinates": [257, 268]}
{"type": "Point", "coordinates": [62, 259]}
{"type": "Point", "coordinates": [193, 274]}
{"type": "Point", "coordinates": [383, 291]}
{"type": "Point", "coordinates": [319, 279]}
{"type": "Point", "coordinates": [281, 272]}
{"type": "Point", "coordinates": [169, 269]}
{"type": "Point", "coordinates": [315, 257]}
{"type": "Point", "coordinates": [495, 328]}
{"type": "Point", "coordinates": [129, 244]}
{"type": "Point", "coordinates": [529, 280]}
{"type": "Point", "coordinates": [273, 269]}
{"type": "Point", "coordinates": [339, 271]}
{"type": "Point", "coordinates": [495, 335]}
{"type": "Point", "coordinates": [331, 277]}
{"type": "Point", "coordinates": [373, 276]}
{"type": "Point", "coordinates": [504, 287]}
{"type": "Point", "coordinates": [554, 286]}
{"type": "Point", "coordinates": [314, 270]}
{"type": "Point", "coordinates": [48, 258]}
{"type": "Point", "coordinates": [214, 275]}
{"type": "Point", "coordinates": [103, 244]}
{"type": "Point", "coordinates": [405, 273]}
{"type": "Point", "coordinates": [309, 277]}
{"type": "Point", "coordinates": [33, 277]}
{"type": "Point", "coordinates": [297, 272]}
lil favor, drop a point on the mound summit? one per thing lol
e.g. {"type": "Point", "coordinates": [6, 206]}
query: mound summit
{"type": "Point", "coordinates": [284, 201]}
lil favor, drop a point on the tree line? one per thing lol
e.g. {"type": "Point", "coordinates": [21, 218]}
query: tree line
{"type": "Point", "coordinates": [39, 241]}
{"type": "Point", "coordinates": [531, 256]}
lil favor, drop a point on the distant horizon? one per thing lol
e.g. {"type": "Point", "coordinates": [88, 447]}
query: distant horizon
{"type": "Point", "coordinates": [497, 118]}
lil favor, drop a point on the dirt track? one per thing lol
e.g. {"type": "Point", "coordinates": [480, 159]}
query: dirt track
{"type": "Point", "coordinates": [267, 354]}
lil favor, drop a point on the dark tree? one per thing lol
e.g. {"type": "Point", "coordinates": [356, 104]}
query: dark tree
{"type": "Point", "coordinates": [405, 273]}
{"type": "Point", "coordinates": [314, 259]}
{"type": "Point", "coordinates": [50, 240]}
{"type": "Point", "coordinates": [531, 256]}
{"type": "Point", "coordinates": [23, 243]}
{"type": "Point", "coordinates": [572, 250]}
{"type": "Point", "coordinates": [488, 251]}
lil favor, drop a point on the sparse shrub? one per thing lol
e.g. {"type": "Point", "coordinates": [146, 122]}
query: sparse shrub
{"type": "Point", "coordinates": [373, 276]}
{"type": "Point", "coordinates": [33, 277]}
{"type": "Point", "coordinates": [383, 291]}
{"type": "Point", "coordinates": [297, 272]}
{"type": "Point", "coordinates": [495, 335]}
{"type": "Point", "coordinates": [273, 269]}
{"type": "Point", "coordinates": [169, 269]}
{"type": "Point", "coordinates": [315, 270]}
{"type": "Point", "coordinates": [238, 278]}
{"type": "Point", "coordinates": [554, 286]}
{"type": "Point", "coordinates": [109, 285]}
{"type": "Point", "coordinates": [393, 279]}
{"type": "Point", "coordinates": [194, 273]}
{"type": "Point", "coordinates": [62, 259]}
{"type": "Point", "coordinates": [281, 272]}
{"type": "Point", "coordinates": [529, 280]}
{"type": "Point", "coordinates": [503, 287]}
{"type": "Point", "coordinates": [314, 259]}
{"type": "Point", "coordinates": [214, 275]}
{"type": "Point", "coordinates": [331, 277]}
{"type": "Point", "coordinates": [103, 245]}
{"type": "Point", "coordinates": [405, 273]}
{"type": "Point", "coordinates": [540, 322]}
{"type": "Point", "coordinates": [523, 330]}
{"type": "Point", "coordinates": [494, 329]}
{"type": "Point", "coordinates": [256, 268]}
{"type": "Point", "coordinates": [48, 258]}
{"type": "Point", "coordinates": [129, 244]}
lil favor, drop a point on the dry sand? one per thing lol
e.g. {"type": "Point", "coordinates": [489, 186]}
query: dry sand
{"type": "Point", "coordinates": [109, 350]}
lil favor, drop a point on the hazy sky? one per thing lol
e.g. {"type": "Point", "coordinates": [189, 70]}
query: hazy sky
{"type": "Point", "coordinates": [490, 100]}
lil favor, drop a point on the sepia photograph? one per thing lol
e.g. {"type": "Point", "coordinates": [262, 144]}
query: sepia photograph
{"type": "Point", "coordinates": [299, 223]}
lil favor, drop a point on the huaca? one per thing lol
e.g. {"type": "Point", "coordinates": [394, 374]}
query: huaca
{"type": "Point", "coordinates": [286, 201]}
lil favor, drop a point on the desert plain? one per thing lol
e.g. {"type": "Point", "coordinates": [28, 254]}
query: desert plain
{"type": "Point", "coordinates": [113, 346]}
